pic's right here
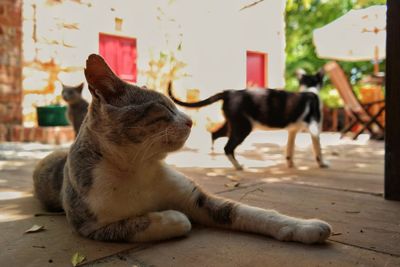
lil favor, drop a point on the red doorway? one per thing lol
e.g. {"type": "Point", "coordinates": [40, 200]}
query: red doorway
{"type": "Point", "coordinates": [256, 69]}
{"type": "Point", "coordinates": [120, 54]}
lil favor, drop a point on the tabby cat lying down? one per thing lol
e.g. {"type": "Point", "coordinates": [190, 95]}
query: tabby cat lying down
{"type": "Point", "coordinates": [113, 183]}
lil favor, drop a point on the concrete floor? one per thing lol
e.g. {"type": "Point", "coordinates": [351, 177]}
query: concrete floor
{"type": "Point", "coordinates": [348, 195]}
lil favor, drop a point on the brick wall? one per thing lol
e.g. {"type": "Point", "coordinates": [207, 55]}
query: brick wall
{"type": "Point", "coordinates": [10, 66]}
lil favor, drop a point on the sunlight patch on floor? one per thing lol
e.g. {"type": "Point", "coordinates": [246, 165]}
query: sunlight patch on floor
{"type": "Point", "coordinates": [13, 215]}
{"type": "Point", "coordinates": [271, 180]}
{"type": "Point", "coordinates": [12, 212]}
{"type": "Point", "coordinates": [202, 139]}
{"type": "Point", "coordinates": [361, 165]}
{"type": "Point", "coordinates": [31, 151]}
{"type": "Point", "coordinates": [7, 195]}
{"type": "Point", "coordinates": [267, 148]}
{"type": "Point", "coordinates": [187, 159]}
{"type": "Point", "coordinates": [11, 165]}
{"type": "Point", "coordinates": [303, 168]}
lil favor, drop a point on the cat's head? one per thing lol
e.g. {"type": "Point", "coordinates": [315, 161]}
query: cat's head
{"type": "Point", "coordinates": [310, 81]}
{"type": "Point", "coordinates": [72, 94]}
{"type": "Point", "coordinates": [131, 117]}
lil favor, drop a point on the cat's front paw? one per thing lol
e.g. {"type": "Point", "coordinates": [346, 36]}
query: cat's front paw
{"type": "Point", "coordinates": [290, 164]}
{"type": "Point", "coordinates": [239, 167]}
{"type": "Point", "coordinates": [176, 221]}
{"type": "Point", "coordinates": [324, 164]}
{"type": "Point", "coordinates": [305, 231]}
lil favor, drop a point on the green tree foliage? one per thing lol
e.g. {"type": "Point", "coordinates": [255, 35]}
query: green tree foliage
{"type": "Point", "coordinates": [302, 17]}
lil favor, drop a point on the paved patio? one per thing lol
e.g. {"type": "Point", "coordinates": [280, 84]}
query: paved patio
{"type": "Point", "coordinates": [348, 195]}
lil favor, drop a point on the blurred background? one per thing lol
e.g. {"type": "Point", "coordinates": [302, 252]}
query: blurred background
{"type": "Point", "coordinates": [203, 46]}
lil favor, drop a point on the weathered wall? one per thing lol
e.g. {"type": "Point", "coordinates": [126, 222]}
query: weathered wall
{"type": "Point", "coordinates": [215, 35]}
{"type": "Point", "coordinates": [10, 66]}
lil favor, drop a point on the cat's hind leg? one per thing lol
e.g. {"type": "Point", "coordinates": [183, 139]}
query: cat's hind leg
{"type": "Point", "coordinates": [152, 227]}
{"type": "Point", "coordinates": [236, 137]}
{"type": "Point", "coordinates": [314, 130]}
{"type": "Point", "coordinates": [221, 132]}
{"type": "Point", "coordinates": [290, 147]}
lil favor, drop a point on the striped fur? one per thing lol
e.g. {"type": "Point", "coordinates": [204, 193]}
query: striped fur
{"type": "Point", "coordinates": [115, 186]}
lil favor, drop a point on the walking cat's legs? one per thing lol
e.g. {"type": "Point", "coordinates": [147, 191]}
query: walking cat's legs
{"type": "Point", "coordinates": [290, 147]}
{"type": "Point", "coordinates": [315, 132]}
{"type": "Point", "coordinates": [221, 132]}
{"type": "Point", "coordinates": [154, 226]}
{"type": "Point", "coordinates": [213, 211]}
{"type": "Point", "coordinates": [236, 137]}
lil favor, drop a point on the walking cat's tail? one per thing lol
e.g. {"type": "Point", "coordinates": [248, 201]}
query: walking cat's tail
{"type": "Point", "coordinates": [202, 103]}
{"type": "Point", "coordinates": [48, 180]}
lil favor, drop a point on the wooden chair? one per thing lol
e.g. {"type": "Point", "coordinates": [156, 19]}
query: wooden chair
{"type": "Point", "coordinates": [357, 111]}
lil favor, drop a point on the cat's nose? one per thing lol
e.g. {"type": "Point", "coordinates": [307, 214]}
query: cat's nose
{"type": "Point", "coordinates": [189, 123]}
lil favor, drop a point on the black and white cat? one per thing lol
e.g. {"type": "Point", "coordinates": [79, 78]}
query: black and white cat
{"type": "Point", "coordinates": [248, 108]}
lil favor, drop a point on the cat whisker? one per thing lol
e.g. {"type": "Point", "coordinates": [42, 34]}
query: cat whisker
{"type": "Point", "coordinates": [153, 139]}
{"type": "Point", "coordinates": [149, 142]}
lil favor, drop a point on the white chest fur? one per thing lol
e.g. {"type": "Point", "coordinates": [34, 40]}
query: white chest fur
{"type": "Point", "coordinates": [117, 194]}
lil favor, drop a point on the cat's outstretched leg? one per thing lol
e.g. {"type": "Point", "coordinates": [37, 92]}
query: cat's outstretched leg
{"type": "Point", "coordinates": [315, 132]}
{"type": "Point", "coordinates": [213, 211]}
{"type": "Point", "coordinates": [154, 226]}
{"type": "Point", "coordinates": [290, 147]}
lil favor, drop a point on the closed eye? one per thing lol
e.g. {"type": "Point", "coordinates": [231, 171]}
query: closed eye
{"type": "Point", "coordinates": [170, 109]}
{"type": "Point", "coordinates": [158, 119]}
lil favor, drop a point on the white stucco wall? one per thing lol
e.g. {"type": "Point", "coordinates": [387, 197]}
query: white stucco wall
{"type": "Point", "coordinates": [215, 36]}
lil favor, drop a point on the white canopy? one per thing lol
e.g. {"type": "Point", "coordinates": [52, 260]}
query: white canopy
{"type": "Point", "coordinates": [356, 36]}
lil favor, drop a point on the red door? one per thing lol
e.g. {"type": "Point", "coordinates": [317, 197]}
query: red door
{"type": "Point", "coordinates": [120, 54]}
{"type": "Point", "coordinates": [256, 69]}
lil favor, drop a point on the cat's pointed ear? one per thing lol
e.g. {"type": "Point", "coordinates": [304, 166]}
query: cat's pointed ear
{"type": "Point", "coordinates": [79, 88]}
{"type": "Point", "coordinates": [321, 72]}
{"type": "Point", "coordinates": [102, 81]}
{"type": "Point", "coordinates": [300, 73]}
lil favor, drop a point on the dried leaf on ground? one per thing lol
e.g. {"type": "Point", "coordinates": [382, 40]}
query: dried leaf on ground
{"type": "Point", "coordinates": [35, 228]}
{"type": "Point", "coordinates": [233, 177]}
{"type": "Point", "coordinates": [333, 234]}
{"type": "Point", "coordinates": [35, 246]}
{"type": "Point", "coordinates": [77, 259]}
{"type": "Point", "coordinates": [352, 211]}
{"type": "Point", "coordinates": [233, 184]}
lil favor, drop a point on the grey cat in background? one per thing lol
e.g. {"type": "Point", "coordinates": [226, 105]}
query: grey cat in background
{"type": "Point", "coordinates": [77, 106]}
{"type": "Point", "coordinates": [114, 185]}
